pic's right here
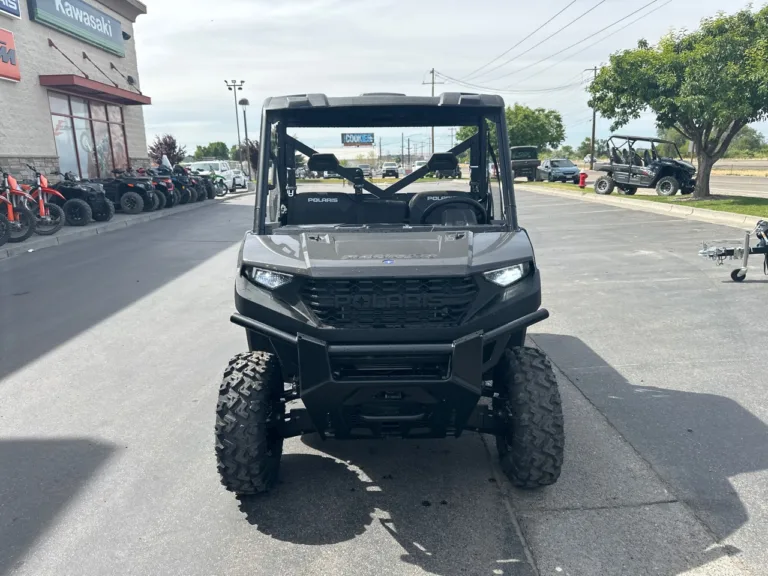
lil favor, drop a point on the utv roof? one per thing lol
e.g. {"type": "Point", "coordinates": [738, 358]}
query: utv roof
{"type": "Point", "coordinates": [382, 109]}
{"type": "Point", "coordinates": [382, 99]}
{"type": "Point", "coordinates": [643, 138]}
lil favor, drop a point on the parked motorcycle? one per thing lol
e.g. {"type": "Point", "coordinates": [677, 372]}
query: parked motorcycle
{"type": "Point", "coordinates": [48, 215]}
{"type": "Point", "coordinates": [21, 219]}
{"type": "Point", "coordinates": [5, 226]}
{"type": "Point", "coordinates": [83, 201]}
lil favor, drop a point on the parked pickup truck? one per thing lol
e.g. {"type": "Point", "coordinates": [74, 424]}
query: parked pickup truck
{"type": "Point", "coordinates": [525, 161]}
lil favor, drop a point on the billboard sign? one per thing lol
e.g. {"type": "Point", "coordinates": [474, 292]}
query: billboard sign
{"type": "Point", "coordinates": [9, 64]}
{"type": "Point", "coordinates": [81, 20]}
{"type": "Point", "coordinates": [357, 139]}
{"type": "Point", "coordinates": [10, 8]}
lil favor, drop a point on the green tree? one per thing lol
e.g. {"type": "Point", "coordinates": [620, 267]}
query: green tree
{"type": "Point", "coordinates": [585, 148]}
{"type": "Point", "coordinates": [217, 150]}
{"type": "Point", "coordinates": [748, 142]}
{"type": "Point", "coordinates": [707, 85]}
{"type": "Point", "coordinates": [672, 135]}
{"type": "Point", "coordinates": [526, 127]}
{"type": "Point", "coordinates": [565, 152]}
{"type": "Point", "coordinates": [166, 144]}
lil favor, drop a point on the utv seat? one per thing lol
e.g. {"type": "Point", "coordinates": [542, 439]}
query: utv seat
{"type": "Point", "coordinates": [647, 158]}
{"type": "Point", "coordinates": [341, 208]}
{"type": "Point", "coordinates": [615, 157]}
{"type": "Point", "coordinates": [321, 208]}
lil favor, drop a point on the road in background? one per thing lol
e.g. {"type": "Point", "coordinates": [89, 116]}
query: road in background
{"type": "Point", "coordinates": [726, 185]}
{"type": "Point", "coordinates": [110, 357]}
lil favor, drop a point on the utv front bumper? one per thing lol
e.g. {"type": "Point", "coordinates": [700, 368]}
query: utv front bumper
{"type": "Point", "coordinates": [421, 390]}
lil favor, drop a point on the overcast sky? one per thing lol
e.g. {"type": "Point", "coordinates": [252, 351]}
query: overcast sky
{"type": "Point", "coordinates": [187, 48]}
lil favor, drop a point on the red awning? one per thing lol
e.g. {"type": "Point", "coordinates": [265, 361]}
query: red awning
{"type": "Point", "coordinates": [93, 89]}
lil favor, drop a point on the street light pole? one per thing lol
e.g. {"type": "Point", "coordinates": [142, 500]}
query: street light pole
{"type": "Point", "coordinates": [234, 87]}
{"type": "Point", "coordinates": [244, 103]}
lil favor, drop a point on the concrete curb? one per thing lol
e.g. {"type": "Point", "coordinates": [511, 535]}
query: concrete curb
{"type": "Point", "coordinates": [70, 234]}
{"type": "Point", "coordinates": [740, 221]}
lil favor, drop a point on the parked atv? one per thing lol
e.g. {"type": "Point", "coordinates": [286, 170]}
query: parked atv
{"type": "Point", "coordinates": [131, 193]}
{"type": "Point", "coordinates": [83, 201]}
{"type": "Point", "coordinates": [631, 167]}
{"type": "Point", "coordinates": [163, 184]}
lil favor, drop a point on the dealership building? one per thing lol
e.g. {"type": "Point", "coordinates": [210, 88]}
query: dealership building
{"type": "Point", "coordinates": [69, 87]}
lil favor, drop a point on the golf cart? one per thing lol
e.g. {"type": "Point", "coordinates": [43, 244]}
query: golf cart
{"type": "Point", "coordinates": [398, 310]}
{"type": "Point", "coordinates": [639, 162]}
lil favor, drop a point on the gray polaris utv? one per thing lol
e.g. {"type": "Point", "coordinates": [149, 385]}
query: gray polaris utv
{"type": "Point", "coordinates": [395, 310]}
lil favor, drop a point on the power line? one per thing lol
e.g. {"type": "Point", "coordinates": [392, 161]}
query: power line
{"type": "Point", "coordinates": [469, 76]}
{"type": "Point", "coordinates": [592, 35]}
{"type": "Point", "coordinates": [532, 91]}
{"type": "Point", "coordinates": [598, 41]}
{"type": "Point", "coordinates": [572, 22]}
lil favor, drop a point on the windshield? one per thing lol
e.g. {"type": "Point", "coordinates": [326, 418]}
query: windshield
{"type": "Point", "coordinates": [403, 193]}
{"type": "Point", "coordinates": [523, 153]}
{"type": "Point", "coordinates": [562, 164]}
{"type": "Point", "coordinates": [205, 166]}
{"type": "Point", "coordinates": [364, 166]}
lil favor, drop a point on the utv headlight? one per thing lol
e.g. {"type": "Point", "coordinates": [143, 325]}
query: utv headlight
{"type": "Point", "coordinates": [507, 276]}
{"type": "Point", "coordinates": [266, 278]}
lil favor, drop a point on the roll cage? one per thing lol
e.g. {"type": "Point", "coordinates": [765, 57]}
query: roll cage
{"type": "Point", "coordinates": [627, 149]}
{"type": "Point", "coordinates": [379, 111]}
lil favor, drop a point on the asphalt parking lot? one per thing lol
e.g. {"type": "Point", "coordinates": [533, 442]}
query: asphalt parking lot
{"type": "Point", "coordinates": [112, 346]}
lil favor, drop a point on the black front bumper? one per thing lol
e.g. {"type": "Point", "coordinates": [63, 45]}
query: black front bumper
{"type": "Point", "coordinates": [375, 390]}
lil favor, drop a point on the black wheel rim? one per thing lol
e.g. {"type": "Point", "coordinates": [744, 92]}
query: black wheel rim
{"type": "Point", "coordinates": [75, 213]}
{"type": "Point", "coordinates": [666, 187]}
{"type": "Point", "coordinates": [129, 203]}
{"type": "Point", "coordinates": [602, 186]}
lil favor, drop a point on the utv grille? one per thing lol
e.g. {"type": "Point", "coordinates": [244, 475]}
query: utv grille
{"type": "Point", "coordinates": [389, 302]}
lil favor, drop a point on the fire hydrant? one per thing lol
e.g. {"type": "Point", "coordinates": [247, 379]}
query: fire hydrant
{"type": "Point", "coordinates": [583, 179]}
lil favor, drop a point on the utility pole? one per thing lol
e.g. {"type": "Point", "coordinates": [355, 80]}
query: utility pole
{"type": "Point", "coordinates": [234, 87]}
{"type": "Point", "coordinates": [402, 147]}
{"type": "Point", "coordinates": [453, 130]}
{"type": "Point", "coordinates": [379, 150]}
{"type": "Point", "coordinates": [433, 95]}
{"type": "Point", "coordinates": [594, 122]}
{"type": "Point", "coordinates": [409, 153]}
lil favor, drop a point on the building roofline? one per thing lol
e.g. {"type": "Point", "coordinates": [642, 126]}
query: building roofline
{"type": "Point", "coordinates": [130, 9]}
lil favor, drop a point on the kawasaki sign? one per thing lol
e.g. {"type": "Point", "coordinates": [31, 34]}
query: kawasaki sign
{"type": "Point", "coordinates": [81, 20]}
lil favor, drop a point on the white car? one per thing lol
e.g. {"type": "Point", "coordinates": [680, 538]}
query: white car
{"type": "Point", "coordinates": [240, 180]}
{"type": "Point", "coordinates": [418, 164]}
{"type": "Point", "coordinates": [220, 167]}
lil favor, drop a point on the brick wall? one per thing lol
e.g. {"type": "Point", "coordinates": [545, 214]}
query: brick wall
{"type": "Point", "coordinates": [25, 125]}
{"type": "Point", "coordinates": [17, 166]}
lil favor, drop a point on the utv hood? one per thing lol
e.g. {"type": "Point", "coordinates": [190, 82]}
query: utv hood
{"type": "Point", "coordinates": [341, 254]}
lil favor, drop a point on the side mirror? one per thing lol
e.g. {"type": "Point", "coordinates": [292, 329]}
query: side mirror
{"type": "Point", "coordinates": [442, 161]}
{"type": "Point", "coordinates": [323, 163]}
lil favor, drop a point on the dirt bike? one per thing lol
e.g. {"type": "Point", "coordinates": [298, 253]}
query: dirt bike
{"type": "Point", "coordinates": [20, 218]}
{"type": "Point", "coordinates": [49, 217]}
{"type": "Point", "coordinates": [5, 226]}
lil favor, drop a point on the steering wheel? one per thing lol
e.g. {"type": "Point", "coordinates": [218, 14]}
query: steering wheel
{"type": "Point", "coordinates": [480, 210]}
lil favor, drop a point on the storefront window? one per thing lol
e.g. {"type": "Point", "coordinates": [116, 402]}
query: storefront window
{"type": "Point", "coordinates": [119, 153]}
{"type": "Point", "coordinates": [103, 148]}
{"type": "Point", "coordinates": [89, 135]}
{"type": "Point", "coordinates": [59, 103]}
{"type": "Point", "coordinates": [65, 144]}
{"type": "Point", "coordinates": [79, 107]}
{"type": "Point", "coordinates": [85, 148]}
